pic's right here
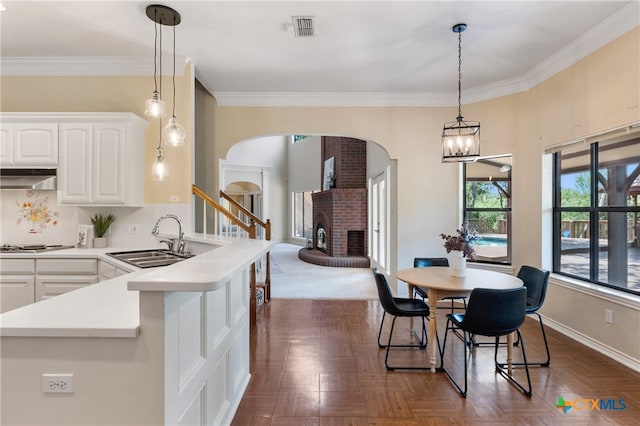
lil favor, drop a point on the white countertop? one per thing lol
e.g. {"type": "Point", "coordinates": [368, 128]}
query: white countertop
{"type": "Point", "coordinates": [111, 308]}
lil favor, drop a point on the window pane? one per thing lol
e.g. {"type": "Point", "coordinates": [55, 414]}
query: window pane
{"type": "Point", "coordinates": [308, 215]}
{"type": "Point", "coordinates": [575, 180]}
{"type": "Point", "coordinates": [298, 212]}
{"type": "Point", "coordinates": [618, 180]}
{"type": "Point", "coordinates": [574, 244]}
{"type": "Point", "coordinates": [492, 229]}
{"type": "Point", "coordinates": [487, 207]}
{"type": "Point", "coordinates": [487, 194]}
{"type": "Point", "coordinates": [619, 254]}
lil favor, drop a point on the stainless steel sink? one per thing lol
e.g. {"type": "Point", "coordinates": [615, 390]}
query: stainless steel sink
{"type": "Point", "coordinates": [149, 258]}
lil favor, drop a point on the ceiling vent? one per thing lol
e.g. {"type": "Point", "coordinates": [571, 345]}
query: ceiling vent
{"type": "Point", "coordinates": [303, 26]}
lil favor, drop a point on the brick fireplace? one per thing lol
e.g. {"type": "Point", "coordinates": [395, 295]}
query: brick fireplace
{"type": "Point", "coordinates": [340, 212]}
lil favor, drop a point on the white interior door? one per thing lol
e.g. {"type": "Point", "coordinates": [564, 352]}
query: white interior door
{"type": "Point", "coordinates": [378, 223]}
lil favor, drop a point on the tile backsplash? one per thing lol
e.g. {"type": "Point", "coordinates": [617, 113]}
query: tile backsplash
{"type": "Point", "coordinates": [34, 217]}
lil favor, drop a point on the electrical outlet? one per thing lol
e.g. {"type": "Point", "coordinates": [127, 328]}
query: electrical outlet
{"type": "Point", "coordinates": [57, 383]}
{"type": "Point", "coordinates": [608, 316]}
{"type": "Point", "coordinates": [131, 228]}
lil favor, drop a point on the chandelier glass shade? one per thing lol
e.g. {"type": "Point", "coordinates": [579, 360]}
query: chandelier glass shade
{"type": "Point", "coordinates": [173, 133]}
{"type": "Point", "coordinates": [460, 139]}
{"type": "Point", "coordinates": [160, 171]}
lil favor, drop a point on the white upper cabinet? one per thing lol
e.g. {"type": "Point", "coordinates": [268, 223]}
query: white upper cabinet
{"type": "Point", "coordinates": [27, 144]}
{"type": "Point", "coordinates": [102, 161]}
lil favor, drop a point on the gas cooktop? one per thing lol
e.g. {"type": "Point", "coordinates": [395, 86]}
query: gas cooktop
{"type": "Point", "coordinates": [33, 248]}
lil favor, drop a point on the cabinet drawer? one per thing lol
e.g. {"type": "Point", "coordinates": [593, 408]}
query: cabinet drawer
{"type": "Point", "coordinates": [17, 266]}
{"type": "Point", "coordinates": [67, 266]}
{"type": "Point", "coordinates": [50, 286]}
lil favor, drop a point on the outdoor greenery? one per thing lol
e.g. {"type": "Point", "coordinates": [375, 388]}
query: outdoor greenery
{"type": "Point", "coordinates": [486, 195]}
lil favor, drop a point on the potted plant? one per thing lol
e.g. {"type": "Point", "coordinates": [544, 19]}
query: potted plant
{"type": "Point", "coordinates": [462, 245]}
{"type": "Point", "coordinates": [101, 225]}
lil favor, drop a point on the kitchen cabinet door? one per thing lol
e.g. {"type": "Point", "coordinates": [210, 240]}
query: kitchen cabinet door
{"type": "Point", "coordinates": [16, 291]}
{"type": "Point", "coordinates": [6, 144]}
{"type": "Point", "coordinates": [28, 144]}
{"type": "Point", "coordinates": [35, 144]}
{"type": "Point", "coordinates": [74, 174]}
{"type": "Point", "coordinates": [109, 163]}
{"type": "Point", "coordinates": [102, 161]}
{"type": "Point", "coordinates": [16, 283]}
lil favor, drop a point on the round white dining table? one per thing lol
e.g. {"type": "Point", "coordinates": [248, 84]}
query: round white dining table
{"type": "Point", "coordinates": [440, 283]}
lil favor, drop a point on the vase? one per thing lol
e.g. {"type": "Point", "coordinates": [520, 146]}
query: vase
{"type": "Point", "coordinates": [100, 242]}
{"type": "Point", "coordinates": [458, 264]}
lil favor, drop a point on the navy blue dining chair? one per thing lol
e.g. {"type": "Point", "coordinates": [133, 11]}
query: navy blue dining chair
{"type": "Point", "coordinates": [491, 313]}
{"type": "Point", "coordinates": [536, 281]}
{"type": "Point", "coordinates": [399, 307]}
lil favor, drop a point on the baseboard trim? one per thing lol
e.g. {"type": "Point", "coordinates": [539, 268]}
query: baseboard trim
{"type": "Point", "coordinates": [612, 353]}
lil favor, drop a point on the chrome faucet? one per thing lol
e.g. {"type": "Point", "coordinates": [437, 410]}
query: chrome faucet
{"type": "Point", "coordinates": [176, 245]}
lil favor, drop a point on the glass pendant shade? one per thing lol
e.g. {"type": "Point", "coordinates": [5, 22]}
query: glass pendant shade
{"type": "Point", "coordinates": [173, 133]}
{"type": "Point", "coordinates": [154, 107]}
{"type": "Point", "coordinates": [460, 141]}
{"type": "Point", "coordinates": [160, 171]}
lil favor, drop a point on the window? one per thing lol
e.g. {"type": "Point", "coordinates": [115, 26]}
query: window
{"type": "Point", "coordinates": [302, 215]}
{"type": "Point", "coordinates": [596, 214]}
{"type": "Point", "coordinates": [487, 207]}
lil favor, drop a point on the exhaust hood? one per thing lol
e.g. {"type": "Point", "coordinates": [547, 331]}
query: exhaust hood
{"type": "Point", "coordinates": [36, 179]}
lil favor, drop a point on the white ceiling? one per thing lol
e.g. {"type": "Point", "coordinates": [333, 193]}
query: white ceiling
{"type": "Point", "coordinates": [365, 52]}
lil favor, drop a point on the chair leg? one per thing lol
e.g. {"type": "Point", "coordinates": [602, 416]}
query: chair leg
{"type": "Point", "coordinates": [422, 343]}
{"type": "Point", "coordinates": [546, 346]}
{"type": "Point", "coordinates": [389, 346]}
{"type": "Point", "coordinates": [461, 391]}
{"type": "Point", "coordinates": [380, 345]}
{"type": "Point", "coordinates": [500, 367]}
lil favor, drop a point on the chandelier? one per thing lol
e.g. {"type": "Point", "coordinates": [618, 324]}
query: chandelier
{"type": "Point", "coordinates": [460, 139]}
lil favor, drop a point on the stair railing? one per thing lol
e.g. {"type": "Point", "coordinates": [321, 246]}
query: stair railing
{"type": "Point", "coordinates": [229, 225]}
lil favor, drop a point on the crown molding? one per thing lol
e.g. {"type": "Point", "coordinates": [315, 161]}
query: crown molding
{"type": "Point", "coordinates": [84, 66]}
{"type": "Point", "coordinates": [335, 99]}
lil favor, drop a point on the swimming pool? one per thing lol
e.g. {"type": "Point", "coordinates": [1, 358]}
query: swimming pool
{"type": "Point", "coordinates": [490, 241]}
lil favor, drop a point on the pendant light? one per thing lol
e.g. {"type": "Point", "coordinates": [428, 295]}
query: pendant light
{"type": "Point", "coordinates": [159, 170]}
{"type": "Point", "coordinates": [460, 139]}
{"type": "Point", "coordinates": [173, 133]}
{"type": "Point", "coordinates": [154, 106]}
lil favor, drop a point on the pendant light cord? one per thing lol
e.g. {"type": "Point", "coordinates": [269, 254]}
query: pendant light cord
{"type": "Point", "coordinates": [155, 54]}
{"type": "Point", "coordinates": [173, 112]}
{"type": "Point", "coordinates": [160, 61]}
{"type": "Point", "coordinates": [459, 76]}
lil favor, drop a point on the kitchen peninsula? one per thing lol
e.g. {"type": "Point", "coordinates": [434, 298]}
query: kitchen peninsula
{"type": "Point", "coordinates": [166, 345]}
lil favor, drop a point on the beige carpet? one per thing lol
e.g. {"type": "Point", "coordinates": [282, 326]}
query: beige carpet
{"type": "Point", "coordinates": [291, 278]}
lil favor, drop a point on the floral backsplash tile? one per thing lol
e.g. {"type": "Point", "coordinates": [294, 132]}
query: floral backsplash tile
{"type": "Point", "coordinates": [37, 212]}
{"type": "Point", "coordinates": [35, 217]}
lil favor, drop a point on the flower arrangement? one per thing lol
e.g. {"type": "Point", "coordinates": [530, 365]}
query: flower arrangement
{"type": "Point", "coordinates": [36, 211]}
{"type": "Point", "coordinates": [461, 242]}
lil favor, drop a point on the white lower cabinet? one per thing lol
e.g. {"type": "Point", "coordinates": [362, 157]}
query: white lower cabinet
{"type": "Point", "coordinates": [16, 283]}
{"type": "Point", "coordinates": [57, 276]}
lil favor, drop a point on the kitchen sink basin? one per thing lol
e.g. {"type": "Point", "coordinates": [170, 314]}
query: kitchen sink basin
{"type": "Point", "coordinates": [149, 258]}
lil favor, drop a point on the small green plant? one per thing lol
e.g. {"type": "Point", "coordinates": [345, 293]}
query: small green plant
{"type": "Point", "coordinates": [101, 223]}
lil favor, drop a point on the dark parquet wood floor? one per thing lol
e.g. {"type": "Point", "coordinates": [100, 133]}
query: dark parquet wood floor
{"type": "Point", "coordinates": [316, 362]}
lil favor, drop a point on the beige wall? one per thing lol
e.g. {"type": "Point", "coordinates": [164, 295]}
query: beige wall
{"type": "Point", "coordinates": [114, 94]}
